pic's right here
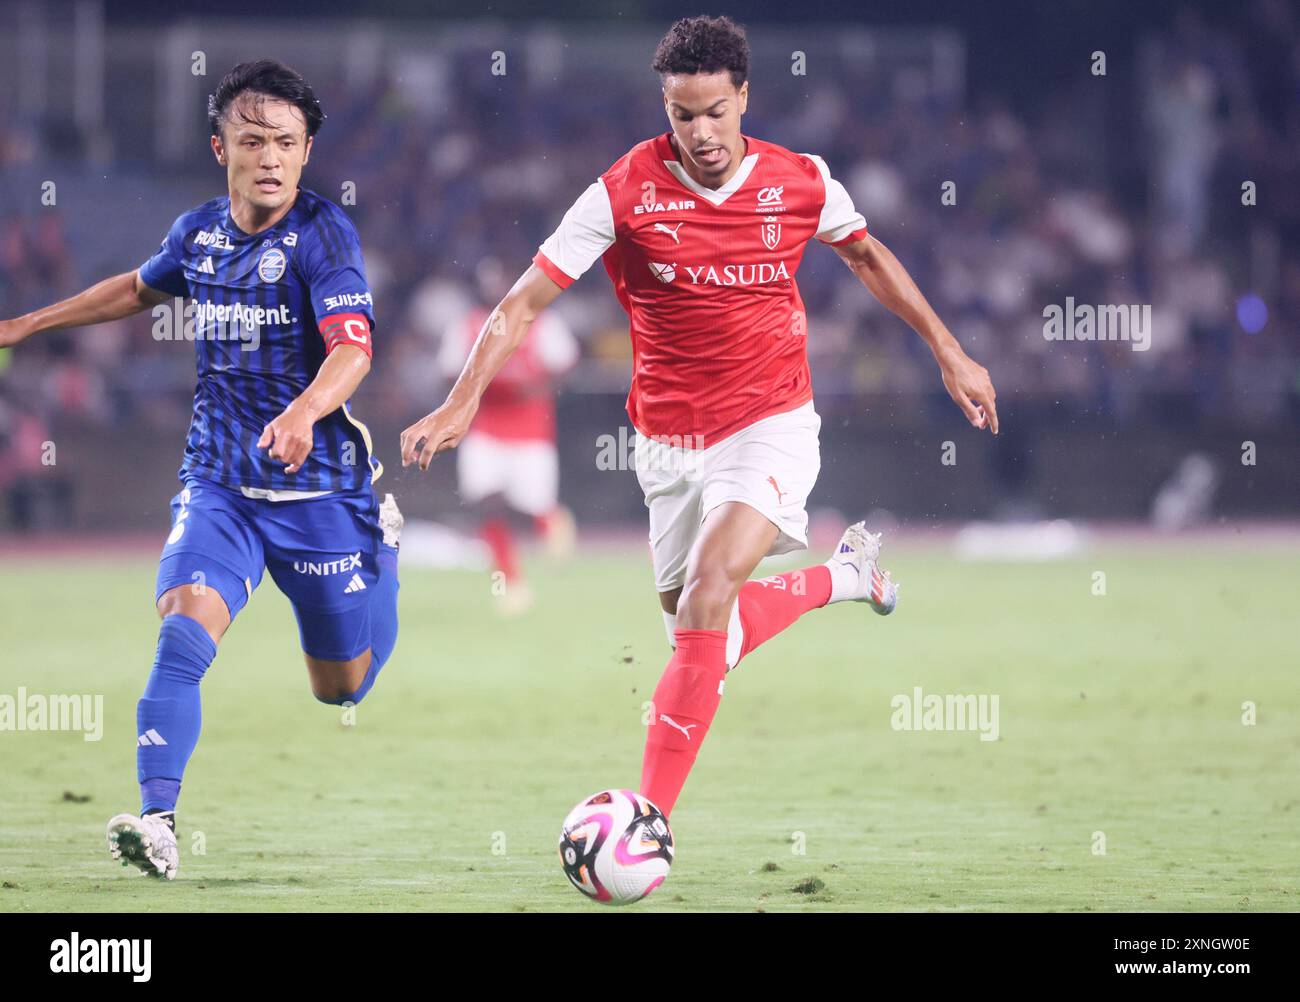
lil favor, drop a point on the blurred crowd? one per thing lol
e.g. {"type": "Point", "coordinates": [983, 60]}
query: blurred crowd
{"type": "Point", "coordinates": [1078, 191]}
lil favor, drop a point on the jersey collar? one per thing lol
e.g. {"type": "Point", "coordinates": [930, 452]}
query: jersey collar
{"type": "Point", "coordinates": [714, 195]}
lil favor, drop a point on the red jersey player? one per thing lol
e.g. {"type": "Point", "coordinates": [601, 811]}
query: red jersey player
{"type": "Point", "coordinates": [508, 463]}
{"type": "Point", "coordinates": [701, 230]}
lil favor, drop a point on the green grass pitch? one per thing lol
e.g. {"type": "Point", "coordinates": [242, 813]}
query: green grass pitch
{"type": "Point", "coordinates": [1119, 714]}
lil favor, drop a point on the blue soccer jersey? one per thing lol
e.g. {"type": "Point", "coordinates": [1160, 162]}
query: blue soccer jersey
{"type": "Point", "coordinates": [259, 303]}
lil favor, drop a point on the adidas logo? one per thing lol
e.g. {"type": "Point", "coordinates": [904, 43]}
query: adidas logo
{"type": "Point", "coordinates": [150, 737]}
{"type": "Point", "coordinates": [845, 548]}
{"type": "Point", "coordinates": [355, 585]}
{"type": "Point", "coordinates": [206, 267]}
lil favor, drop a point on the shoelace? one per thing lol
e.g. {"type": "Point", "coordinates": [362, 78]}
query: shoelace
{"type": "Point", "coordinates": [159, 840]}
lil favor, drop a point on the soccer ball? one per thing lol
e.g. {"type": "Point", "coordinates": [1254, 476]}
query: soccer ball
{"type": "Point", "coordinates": [616, 847]}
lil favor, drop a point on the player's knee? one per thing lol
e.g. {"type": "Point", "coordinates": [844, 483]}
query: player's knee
{"type": "Point", "coordinates": [338, 682]}
{"type": "Point", "coordinates": [336, 694]}
{"type": "Point", "coordinates": [333, 695]}
{"type": "Point", "coordinates": [203, 605]}
{"type": "Point", "coordinates": [706, 601]}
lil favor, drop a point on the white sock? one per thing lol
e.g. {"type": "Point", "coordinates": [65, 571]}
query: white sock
{"type": "Point", "coordinates": [670, 625]}
{"type": "Point", "coordinates": [844, 581]}
{"type": "Point", "coordinates": [735, 636]}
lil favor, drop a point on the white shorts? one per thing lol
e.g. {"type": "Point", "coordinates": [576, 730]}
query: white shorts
{"type": "Point", "coordinates": [526, 474]}
{"type": "Point", "coordinates": [771, 466]}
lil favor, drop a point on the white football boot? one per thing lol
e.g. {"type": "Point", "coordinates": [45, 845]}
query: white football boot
{"type": "Point", "coordinates": [390, 521]}
{"type": "Point", "coordinates": [855, 575]}
{"type": "Point", "coordinates": [147, 843]}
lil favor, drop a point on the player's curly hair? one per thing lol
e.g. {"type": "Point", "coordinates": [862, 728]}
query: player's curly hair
{"type": "Point", "coordinates": [704, 45]}
{"type": "Point", "coordinates": [264, 78]}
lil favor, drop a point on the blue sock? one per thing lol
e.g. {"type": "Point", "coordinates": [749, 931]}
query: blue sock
{"type": "Point", "coordinates": [168, 717]}
{"type": "Point", "coordinates": [383, 618]}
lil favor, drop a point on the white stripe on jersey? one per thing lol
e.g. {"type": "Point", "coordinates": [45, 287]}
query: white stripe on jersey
{"type": "Point", "coordinates": [839, 218]}
{"type": "Point", "coordinates": [584, 234]}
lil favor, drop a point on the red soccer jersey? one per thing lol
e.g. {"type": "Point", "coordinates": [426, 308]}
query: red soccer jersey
{"type": "Point", "coordinates": [519, 403]}
{"type": "Point", "coordinates": [707, 278]}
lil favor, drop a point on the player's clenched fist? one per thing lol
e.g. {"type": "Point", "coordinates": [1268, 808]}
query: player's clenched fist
{"type": "Point", "coordinates": [289, 438]}
{"type": "Point", "coordinates": [435, 432]}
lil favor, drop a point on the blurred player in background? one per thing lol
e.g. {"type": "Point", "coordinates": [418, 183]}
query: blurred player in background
{"type": "Point", "coordinates": [701, 230]}
{"type": "Point", "coordinates": [277, 473]}
{"type": "Point", "coordinates": [507, 466]}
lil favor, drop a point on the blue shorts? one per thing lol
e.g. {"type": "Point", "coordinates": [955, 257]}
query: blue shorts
{"type": "Point", "coordinates": [321, 553]}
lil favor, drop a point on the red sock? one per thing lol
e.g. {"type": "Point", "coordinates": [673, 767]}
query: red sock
{"type": "Point", "coordinates": [496, 533]}
{"type": "Point", "coordinates": [684, 704]}
{"type": "Point", "coordinates": [769, 605]}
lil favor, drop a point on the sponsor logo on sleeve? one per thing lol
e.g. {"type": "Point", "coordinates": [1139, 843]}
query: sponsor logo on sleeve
{"type": "Point", "coordinates": [347, 299]}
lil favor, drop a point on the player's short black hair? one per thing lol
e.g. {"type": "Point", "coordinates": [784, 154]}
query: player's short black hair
{"type": "Point", "coordinates": [704, 45]}
{"type": "Point", "coordinates": [265, 78]}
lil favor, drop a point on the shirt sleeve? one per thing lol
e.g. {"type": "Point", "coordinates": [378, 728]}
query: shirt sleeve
{"type": "Point", "coordinates": [584, 234]}
{"type": "Point", "coordinates": [335, 275]}
{"type": "Point", "coordinates": [165, 270]}
{"type": "Point", "coordinates": [840, 222]}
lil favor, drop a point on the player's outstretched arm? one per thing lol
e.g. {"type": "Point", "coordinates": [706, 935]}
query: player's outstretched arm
{"type": "Point", "coordinates": [289, 436]}
{"type": "Point", "coordinates": [111, 299]}
{"type": "Point", "coordinates": [965, 379]}
{"type": "Point", "coordinates": [502, 333]}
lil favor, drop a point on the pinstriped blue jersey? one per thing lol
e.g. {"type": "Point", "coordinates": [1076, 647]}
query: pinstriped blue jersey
{"type": "Point", "coordinates": [257, 303]}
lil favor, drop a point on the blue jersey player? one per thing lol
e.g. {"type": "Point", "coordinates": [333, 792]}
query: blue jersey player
{"type": "Point", "coordinates": [277, 472]}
